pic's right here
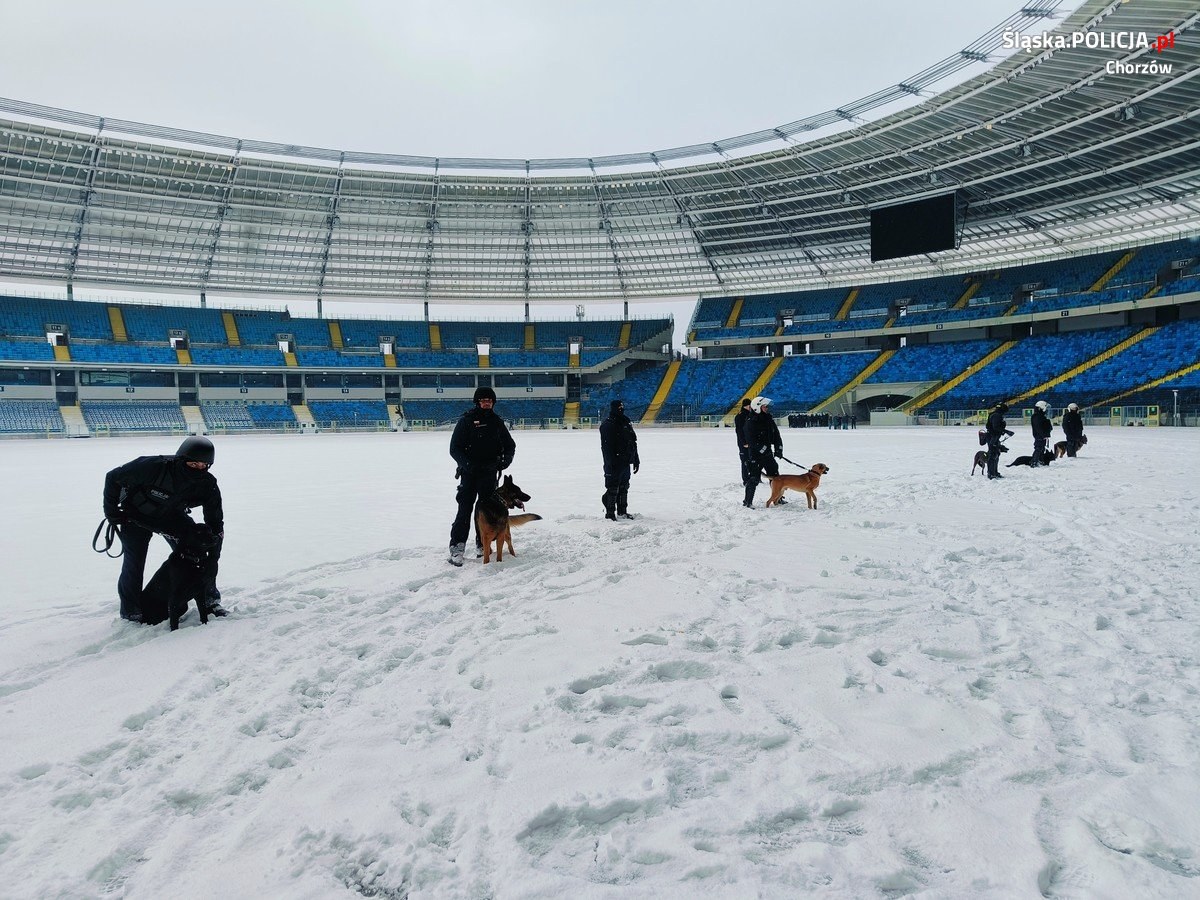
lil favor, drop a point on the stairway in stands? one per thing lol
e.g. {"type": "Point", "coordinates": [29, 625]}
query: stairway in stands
{"type": "Point", "coordinates": [870, 369]}
{"type": "Point", "coordinates": [1087, 364]}
{"type": "Point", "coordinates": [660, 396]}
{"type": "Point", "coordinates": [946, 386]}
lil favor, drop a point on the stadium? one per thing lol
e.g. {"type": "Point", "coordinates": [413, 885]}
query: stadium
{"type": "Point", "coordinates": [1005, 225]}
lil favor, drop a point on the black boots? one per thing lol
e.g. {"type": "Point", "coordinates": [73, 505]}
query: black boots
{"type": "Point", "coordinates": [623, 502]}
{"type": "Point", "coordinates": [610, 505]}
{"type": "Point", "coordinates": [748, 502]}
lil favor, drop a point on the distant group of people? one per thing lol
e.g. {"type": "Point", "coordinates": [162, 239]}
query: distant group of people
{"type": "Point", "coordinates": [821, 420]}
{"type": "Point", "coordinates": [1041, 426]}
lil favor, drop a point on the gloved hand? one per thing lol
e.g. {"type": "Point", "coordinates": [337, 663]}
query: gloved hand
{"type": "Point", "coordinates": [778, 452]}
{"type": "Point", "coordinates": [503, 462]}
{"type": "Point", "coordinates": [1009, 433]}
{"type": "Point", "coordinates": [636, 466]}
{"type": "Point", "coordinates": [116, 516]}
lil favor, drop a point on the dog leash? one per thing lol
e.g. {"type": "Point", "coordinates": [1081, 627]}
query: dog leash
{"type": "Point", "coordinates": [796, 464]}
{"type": "Point", "coordinates": [110, 534]}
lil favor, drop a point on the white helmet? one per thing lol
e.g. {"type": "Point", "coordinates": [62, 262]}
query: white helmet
{"type": "Point", "coordinates": [1042, 405]}
{"type": "Point", "coordinates": [758, 404]}
{"type": "Point", "coordinates": [1073, 407]}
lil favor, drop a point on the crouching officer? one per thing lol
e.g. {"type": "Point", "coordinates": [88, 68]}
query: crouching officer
{"type": "Point", "coordinates": [153, 495]}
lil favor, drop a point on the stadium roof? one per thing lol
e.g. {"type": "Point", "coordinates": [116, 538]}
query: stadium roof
{"type": "Point", "coordinates": [1055, 151]}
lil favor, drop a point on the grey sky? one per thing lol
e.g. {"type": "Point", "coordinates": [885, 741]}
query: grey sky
{"type": "Point", "coordinates": [532, 78]}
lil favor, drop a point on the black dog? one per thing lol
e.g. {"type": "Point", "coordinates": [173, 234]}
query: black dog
{"type": "Point", "coordinates": [182, 578]}
{"type": "Point", "coordinates": [1047, 458]}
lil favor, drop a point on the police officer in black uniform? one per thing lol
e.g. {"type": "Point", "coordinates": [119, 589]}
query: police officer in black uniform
{"type": "Point", "coordinates": [618, 444]}
{"type": "Point", "coordinates": [996, 431]}
{"type": "Point", "coordinates": [765, 446]}
{"type": "Point", "coordinates": [1041, 426]}
{"type": "Point", "coordinates": [482, 448]}
{"type": "Point", "coordinates": [1072, 426]}
{"type": "Point", "coordinates": [153, 495]}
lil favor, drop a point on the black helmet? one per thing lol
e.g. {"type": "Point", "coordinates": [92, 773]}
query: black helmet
{"type": "Point", "coordinates": [1002, 406]}
{"type": "Point", "coordinates": [196, 449]}
{"type": "Point", "coordinates": [484, 393]}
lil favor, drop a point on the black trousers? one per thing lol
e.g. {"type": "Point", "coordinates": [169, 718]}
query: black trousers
{"type": "Point", "coordinates": [993, 457]}
{"type": "Point", "coordinates": [1039, 449]}
{"type": "Point", "coordinates": [616, 487]}
{"type": "Point", "coordinates": [471, 486]}
{"type": "Point", "coordinates": [135, 544]}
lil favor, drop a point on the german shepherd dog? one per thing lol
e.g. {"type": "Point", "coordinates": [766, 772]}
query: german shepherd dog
{"type": "Point", "coordinates": [1047, 458]}
{"type": "Point", "coordinates": [1060, 448]}
{"type": "Point", "coordinates": [806, 484]}
{"type": "Point", "coordinates": [494, 524]}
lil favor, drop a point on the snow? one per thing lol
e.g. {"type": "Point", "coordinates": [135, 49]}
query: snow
{"type": "Point", "coordinates": [932, 685]}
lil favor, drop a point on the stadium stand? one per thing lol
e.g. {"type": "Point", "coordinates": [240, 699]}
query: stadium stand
{"type": "Point", "coordinates": [710, 387]}
{"type": "Point", "coordinates": [154, 323]}
{"type": "Point", "coordinates": [349, 413]}
{"type": "Point", "coordinates": [142, 415]}
{"type": "Point", "coordinates": [931, 362]}
{"type": "Point", "coordinates": [1031, 362]}
{"type": "Point", "coordinates": [804, 382]}
{"type": "Point", "coordinates": [635, 390]}
{"type": "Point", "coordinates": [26, 350]}
{"type": "Point", "coordinates": [1168, 349]}
{"type": "Point", "coordinates": [30, 417]}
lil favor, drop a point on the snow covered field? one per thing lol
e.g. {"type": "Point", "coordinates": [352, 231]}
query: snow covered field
{"type": "Point", "coordinates": [933, 685]}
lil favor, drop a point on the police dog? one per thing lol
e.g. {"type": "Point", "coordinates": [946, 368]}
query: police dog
{"type": "Point", "coordinates": [1047, 458]}
{"type": "Point", "coordinates": [1060, 448]}
{"type": "Point", "coordinates": [494, 524]}
{"type": "Point", "coordinates": [980, 461]}
{"type": "Point", "coordinates": [806, 484]}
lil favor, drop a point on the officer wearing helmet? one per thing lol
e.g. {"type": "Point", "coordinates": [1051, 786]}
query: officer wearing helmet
{"type": "Point", "coordinates": [482, 448]}
{"type": "Point", "coordinates": [153, 495]}
{"type": "Point", "coordinates": [764, 446]}
{"type": "Point", "coordinates": [1072, 426]}
{"type": "Point", "coordinates": [1041, 425]}
{"type": "Point", "coordinates": [997, 429]}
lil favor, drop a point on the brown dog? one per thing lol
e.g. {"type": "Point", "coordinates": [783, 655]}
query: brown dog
{"type": "Point", "coordinates": [980, 461]}
{"type": "Point", "coordinates": [1060, 448]}
{"type": "Point", "coordinates": [805, 484]}
{"type": "Point", "coordinates": [494, 524]}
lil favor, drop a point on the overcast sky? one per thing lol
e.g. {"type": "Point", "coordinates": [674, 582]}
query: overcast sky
{"type": "Point", "coordinates": [529, 78]}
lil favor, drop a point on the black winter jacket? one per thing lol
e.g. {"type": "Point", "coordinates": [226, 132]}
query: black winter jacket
{"type": "Point", "coordinates": [762, 433]}
{"type": "Point", "coordinates": [481, 441]}
{"type": "Point", "coordinates": [153, 490]}
{"type": "Point", "coordinates": [1040, 424]}
{"type": "Point", "coordinates": [996, 426]}
{"type": "Point", "coordinates": [1072, 425]}
{"type": "Point", "coordinates": [618, 442]}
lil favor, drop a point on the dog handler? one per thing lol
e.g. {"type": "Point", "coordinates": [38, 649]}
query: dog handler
{"type": "Point", "coordinates": [996, 431]}
{"type": "Point", "coordinates": [1040, 423]}
{"type": "Point", "coordinates": [1072, 426]}
{"type": "Point", "coordinates": [762, 434]}
{"type": "Point", "coordinates": [482, 448]}
{"type": "Point", "coordinates": [153, 495]}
